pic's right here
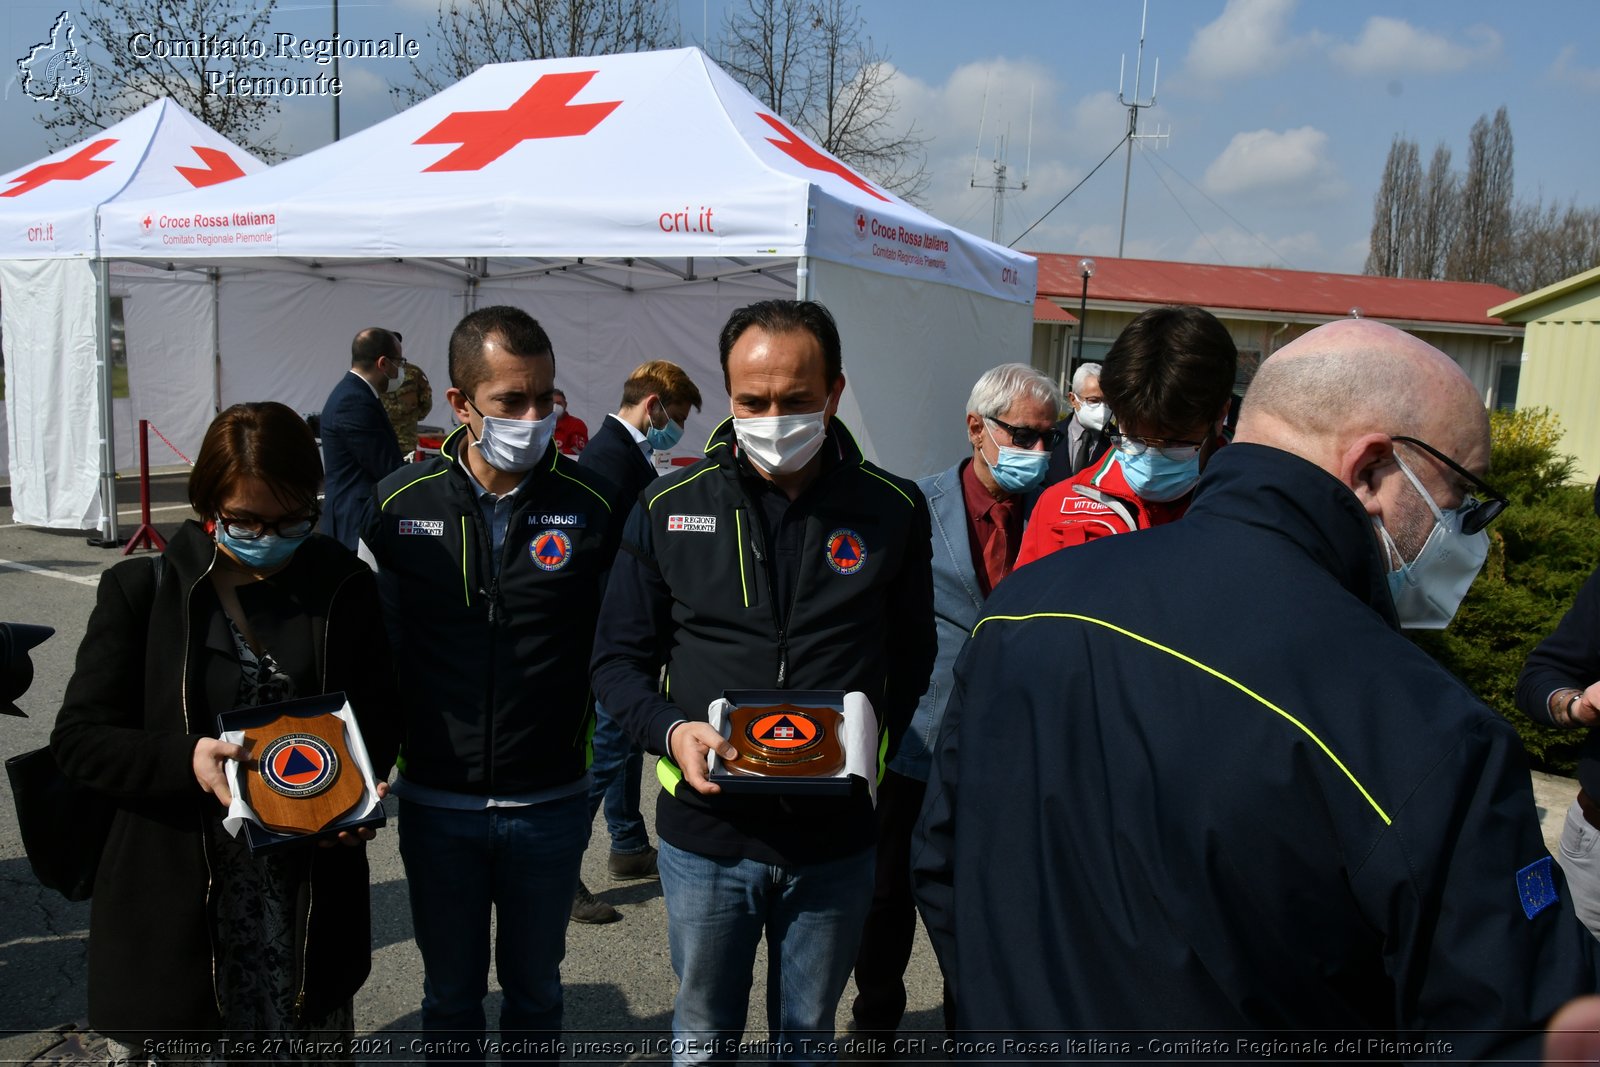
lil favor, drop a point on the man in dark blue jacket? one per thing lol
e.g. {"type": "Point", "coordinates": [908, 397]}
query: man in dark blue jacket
{"type": "Point", "coordinates": [1193, 786]}
{"type": "Point", "coordinates": [656, 400]}
{"type": "Point", "coordinates": [358, 442]}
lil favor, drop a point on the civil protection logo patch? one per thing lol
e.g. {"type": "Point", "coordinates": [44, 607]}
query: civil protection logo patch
{"type": "Point", "coordinates": [1536, 886]}
{"type": "Point", "coordinates": [550, 549]}
{"type": "Point", "coordinates": [846, 551]}
{"type": "Point", "coordinates": [299, 765]}
{"type": "Point", "coordinates": [787, 731]}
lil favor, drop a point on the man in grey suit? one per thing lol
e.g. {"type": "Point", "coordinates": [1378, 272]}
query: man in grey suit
{"type": "Point", "coordinates": [978, 509]}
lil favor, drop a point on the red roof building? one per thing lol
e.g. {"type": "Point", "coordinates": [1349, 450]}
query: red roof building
{"type": "Point", "coordinates": [1266, 308]}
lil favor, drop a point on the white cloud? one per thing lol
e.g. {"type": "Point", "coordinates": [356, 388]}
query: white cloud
{"type": "Point", "coordinates": [1250, 37]}
{"type": "Point", "coordinates": [1567, 69]}
{"type": "Point", "coordinates": [1234, 247]}
{"type": "Point", "coordinates": [1394, 46]}
{"type": "Point", "coordinates": [1266, 160]}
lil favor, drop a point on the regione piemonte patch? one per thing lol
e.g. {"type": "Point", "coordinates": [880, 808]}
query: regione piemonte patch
{"type": "Point", "coordinates": [691, 524]}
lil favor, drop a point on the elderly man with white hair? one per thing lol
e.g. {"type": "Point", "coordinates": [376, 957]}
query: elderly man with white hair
{"type": "Point", "coordinates": [978, 510]}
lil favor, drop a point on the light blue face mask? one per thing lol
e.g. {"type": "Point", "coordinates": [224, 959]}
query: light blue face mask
{"type": "Point", "coordinates": [262, 554]}
{"type": "Point", "coordinates": [1159, 478]}
{"type": "Point", "coordinates": [1017, 470]}
{"type": "Point", "coordinates": [663, 437]}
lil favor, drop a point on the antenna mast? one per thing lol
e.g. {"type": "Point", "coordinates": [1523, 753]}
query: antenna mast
{"type": "Point", "coordinates": [1001, 184]}
{"type": "Point", "coordinates": [1134, 106]}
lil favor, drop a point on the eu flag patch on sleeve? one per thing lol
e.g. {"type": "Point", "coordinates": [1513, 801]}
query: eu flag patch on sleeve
{"type": "Point", "coordinates": [1536, 886]}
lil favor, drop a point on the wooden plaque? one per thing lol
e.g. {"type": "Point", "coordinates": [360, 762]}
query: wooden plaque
{"type": "Point", "coordinates": [300, 777]}
{"type": "Point", "coordinates": [786, 740]}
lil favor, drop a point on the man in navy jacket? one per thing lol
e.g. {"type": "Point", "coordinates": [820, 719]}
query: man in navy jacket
{"type": "Point", "coordinates": [656, 400]}
{"type": "Point", "coordinates": [1193, 783]}
{"type": "Point", "coordinates": [358, 442]}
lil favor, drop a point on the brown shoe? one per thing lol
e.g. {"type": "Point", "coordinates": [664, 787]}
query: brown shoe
{"type": "Point", "coordinates": [625, 865]}
{"type": "Point", "coordinates": [588, 908]}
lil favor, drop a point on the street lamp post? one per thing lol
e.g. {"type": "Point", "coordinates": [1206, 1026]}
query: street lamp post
{"type": "Point", "coordinates": [1086, 267]}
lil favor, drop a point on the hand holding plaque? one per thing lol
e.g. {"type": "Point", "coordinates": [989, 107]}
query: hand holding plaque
{"type": "Point", "coordinates": [794, 741]}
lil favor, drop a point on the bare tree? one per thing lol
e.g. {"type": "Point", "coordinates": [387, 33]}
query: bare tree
{"type": "Point", "coordinates": [470, 33]}
{"type": "Point", "coordinates": [1549, 243]}
{"type": "Point", "coordinates": [813, 64]}
{"type": "Point", "coordinates": [126, 41]}
{"type": "Point", "coordinates": [1438, 217]}
{"type": "Point", "coordinates": [1395, 212]}
{"type": "Point", "coordinates": [1483, 242]}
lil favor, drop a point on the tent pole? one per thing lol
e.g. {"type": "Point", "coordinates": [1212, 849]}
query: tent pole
{"type": "Point", "coordinates": [802, 279]}
{"type": "Point", "coordinates": [109, 535]}
{"type": "Point", "coordinates": [216, 339]}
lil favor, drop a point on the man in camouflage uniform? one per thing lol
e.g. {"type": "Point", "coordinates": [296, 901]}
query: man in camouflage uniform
{"type": "Point", "coordinates": [408, 405]}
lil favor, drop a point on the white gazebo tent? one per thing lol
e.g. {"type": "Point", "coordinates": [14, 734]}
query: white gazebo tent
{"type": "Point", "coordinates": [55, 292]}
{"type": "Point", "coordinates": [630, 203]}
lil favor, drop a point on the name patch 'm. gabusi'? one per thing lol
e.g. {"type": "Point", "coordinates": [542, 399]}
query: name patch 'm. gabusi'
{"type": "Point", "coordinates": [572, 521]}
{"type": "Point", "coordinates": [691, 523]}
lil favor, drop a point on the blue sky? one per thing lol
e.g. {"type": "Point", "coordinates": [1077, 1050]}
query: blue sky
{"type": "Point", "coordinates": [1280, 112]}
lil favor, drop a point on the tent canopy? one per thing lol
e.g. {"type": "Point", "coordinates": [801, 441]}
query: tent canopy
{"type": "Point", "coordinates": [638, 156]}
{"type": "Point", "coordinates": [54, 309]}
{"type": "Point", "coordinates": [630, 202]}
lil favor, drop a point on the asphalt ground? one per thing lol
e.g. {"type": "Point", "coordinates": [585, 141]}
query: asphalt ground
{"type": "Point", "coordinates": [618, 977]}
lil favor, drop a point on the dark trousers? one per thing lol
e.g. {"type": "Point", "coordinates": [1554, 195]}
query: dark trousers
{"type": "Point", "coordinates": [892, 922]}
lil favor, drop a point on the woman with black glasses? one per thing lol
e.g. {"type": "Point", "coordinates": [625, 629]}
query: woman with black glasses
{"type": "Point", "coordinates": [195, 944]}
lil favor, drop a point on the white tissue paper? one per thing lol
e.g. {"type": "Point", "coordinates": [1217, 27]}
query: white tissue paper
{"type": "Point", "coordinates": [859, 737]}
{"type": "Point", "coordinates": [239, 810]}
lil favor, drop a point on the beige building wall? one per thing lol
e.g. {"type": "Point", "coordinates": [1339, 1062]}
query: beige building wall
{"type": "Point", "coordinates": [1562, 373]}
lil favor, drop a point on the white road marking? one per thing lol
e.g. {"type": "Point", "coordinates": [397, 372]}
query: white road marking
{"type": "Point", "coordinates": [9, 565]}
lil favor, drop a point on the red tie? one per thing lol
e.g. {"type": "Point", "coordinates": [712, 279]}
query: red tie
{"type": "Point", "coordinates": [998, 554]}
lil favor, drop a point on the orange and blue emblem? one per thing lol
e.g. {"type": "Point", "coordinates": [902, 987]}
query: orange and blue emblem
{"type": "Point", "coordinates": [846, 551]}
{"type": "Point", "coordinates": [550, 549]}
{"type": "Point", "coordinates": [299, 765]}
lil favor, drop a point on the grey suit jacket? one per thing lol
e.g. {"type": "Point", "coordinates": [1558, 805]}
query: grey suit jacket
{"type": "Point", "coordinates": [957, 600]}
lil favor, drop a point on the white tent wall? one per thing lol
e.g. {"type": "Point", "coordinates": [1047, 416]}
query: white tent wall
{"type": "Point", "coordinates": [286, 336]}
{"type": "Point", "coordinates": [167, 325]}
{"type": "Point", "coordinates": [48, 316]}
{"type": "Point", "coordinates": [599, 335]}
{"type": "Point", "coordinates": [912, 352]}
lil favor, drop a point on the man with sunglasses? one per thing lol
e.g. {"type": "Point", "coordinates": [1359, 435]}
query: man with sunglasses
{"type": "Point", "coordinates": [1167, 379]}
{"type": "Point", "coordinates": [1233, 801]}
{"type": "Point", "coordinates": [359, 445]}
{"type": "Point", "coordinates": [977, 508]}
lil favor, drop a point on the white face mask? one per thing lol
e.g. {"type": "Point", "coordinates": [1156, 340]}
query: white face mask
{"type": "Point", "coordinates": [514, 445]}
{"type": "Point", "coordinates": [559, 410]}
{"type": "Point", "coordinates": [1092, 415]}
{"type": "Point", "coordinates": [1428, 590]}
{"type": "Point", "coordinates": [393, 384]}
{"type": "Point", "coordinates": [781, 444]}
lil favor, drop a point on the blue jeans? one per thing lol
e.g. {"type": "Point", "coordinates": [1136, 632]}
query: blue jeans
{"type": "Point", "coordinates": [523, 862]}
{"type": "Point", "coordinates": [717, 910]}
{"type": "Point", "coordinates": [617, 767]}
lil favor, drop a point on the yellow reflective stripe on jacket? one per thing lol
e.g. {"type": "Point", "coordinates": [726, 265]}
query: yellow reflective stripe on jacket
{"type": "Point", "coordinates": [1191, 661]}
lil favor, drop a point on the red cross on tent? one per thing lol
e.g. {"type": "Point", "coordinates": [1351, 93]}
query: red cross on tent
{"type": "Point", "coordinates": [808, 157]}
{"type": "Point", "coordinates": [545, 110]}
{"type": "Point", "coordinates": [219, 167]}
{"type": "Point", "coordinates": [74, 168]}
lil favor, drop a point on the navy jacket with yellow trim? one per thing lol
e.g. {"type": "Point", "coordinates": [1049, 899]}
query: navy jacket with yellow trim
{"type": "Point", "coordinates": [493, 677]}
{"type": "Point", "coordinates": [1193, 779]}
{"type": "Point", "coordinates": [692, 590]}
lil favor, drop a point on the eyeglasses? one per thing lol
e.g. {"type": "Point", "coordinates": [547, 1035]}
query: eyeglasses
{"type": "Point", "coordinates": [1171, 448]}
{"type": "Point", "coordinates": [1027, 436]}
{"type": "Point", "coordinates": [293, 529]}
{"type": "Point", "coordinates": [1475, 513]}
